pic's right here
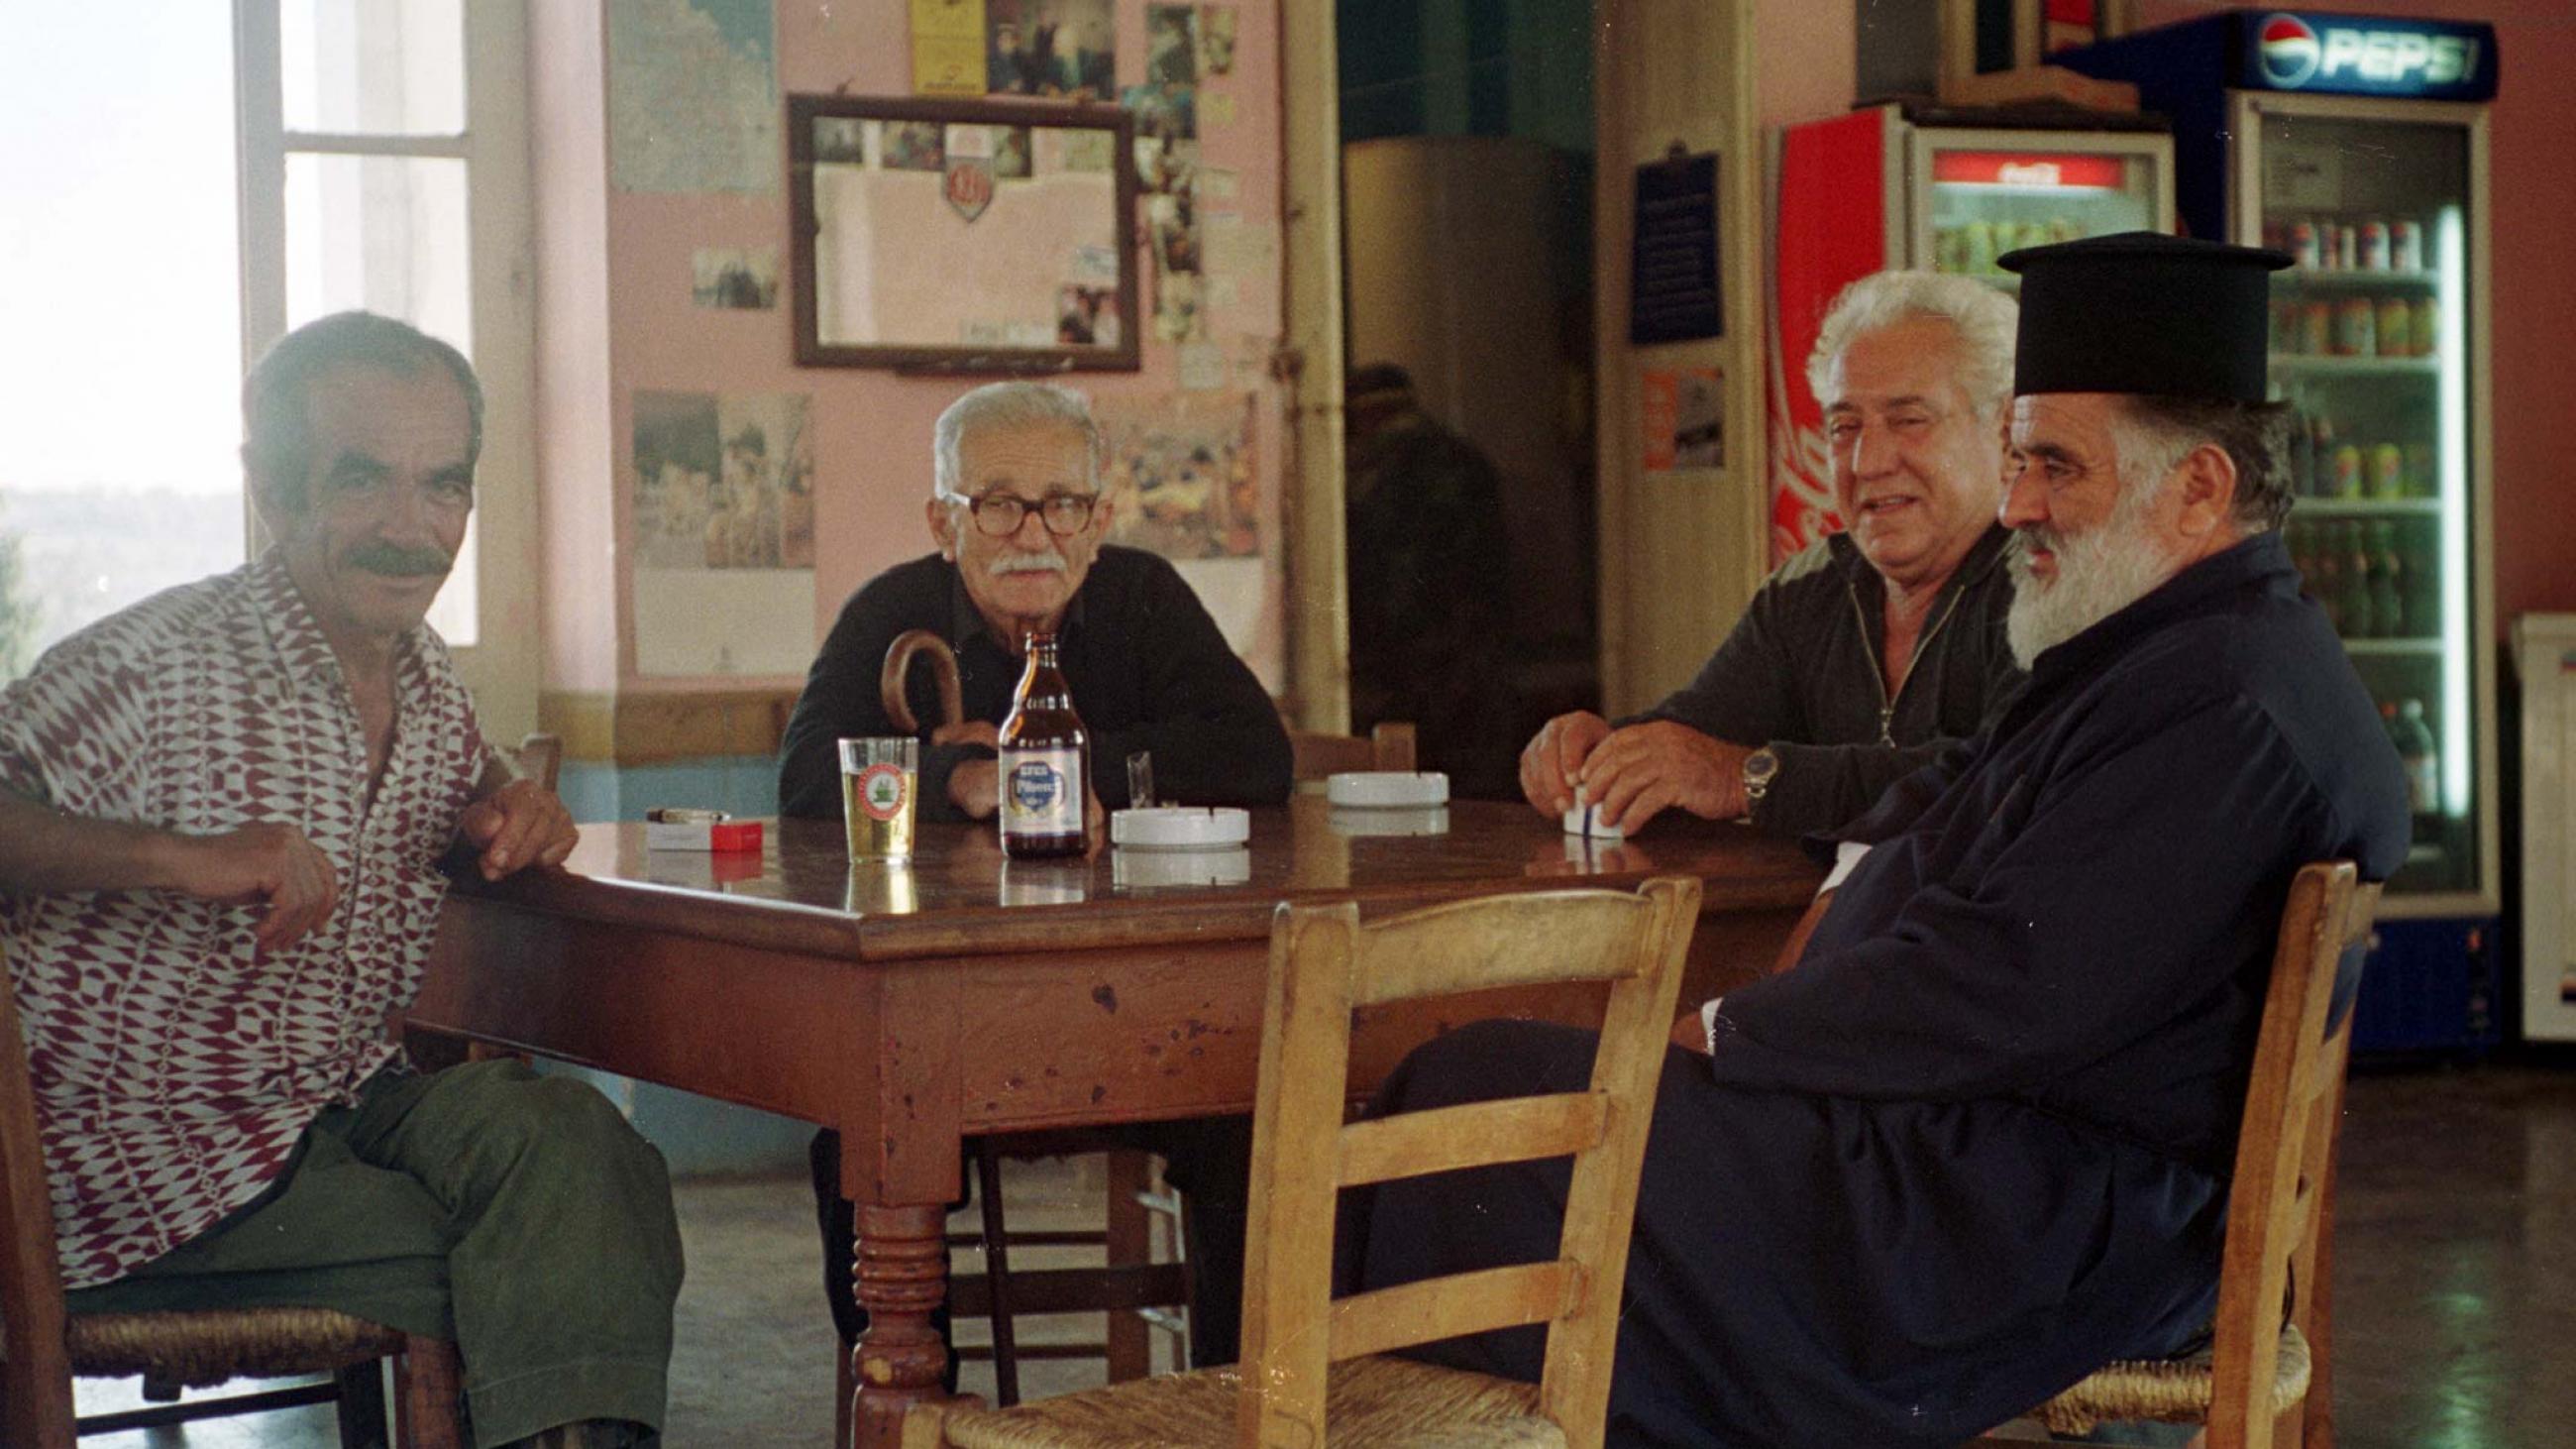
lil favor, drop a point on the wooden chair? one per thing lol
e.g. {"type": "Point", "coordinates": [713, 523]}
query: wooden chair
{"type": "Point", "coordinates": [2263, 1381]}
{"type": "Point", "coordinates": [539, 757]}
{"type": "Point", "coordinates": [1387, 747]}
{"type": "Point", "coordinates": [42, 1347]}
{"type": "Point", "coordinates": [1309, 1357]}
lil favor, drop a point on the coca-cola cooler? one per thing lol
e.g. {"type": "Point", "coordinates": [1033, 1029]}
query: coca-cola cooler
{"type": "Point", "coordinates": [1949, 189]}
{"type": "Point", "coordinates": [2359, 144]}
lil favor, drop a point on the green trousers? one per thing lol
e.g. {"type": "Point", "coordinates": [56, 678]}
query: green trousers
{"type": "Point", "coordinates": [517, 1215]}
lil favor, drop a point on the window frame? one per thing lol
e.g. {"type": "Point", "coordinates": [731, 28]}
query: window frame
{"type": "Point", "coordinates": [504, 667]}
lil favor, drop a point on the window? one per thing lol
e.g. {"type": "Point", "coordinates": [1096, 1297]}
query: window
{"type": "Point", "coordinates": [383, 149]}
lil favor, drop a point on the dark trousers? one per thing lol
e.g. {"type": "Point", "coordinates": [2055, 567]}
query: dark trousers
{"type": "Point", "coordinates": [1806, 1270]}
{"type": "Point", "coordinates": [1209, 1160]}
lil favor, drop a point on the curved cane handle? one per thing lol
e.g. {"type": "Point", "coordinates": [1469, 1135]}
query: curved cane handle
{"type": "Point", "coordinates": [898, 664]}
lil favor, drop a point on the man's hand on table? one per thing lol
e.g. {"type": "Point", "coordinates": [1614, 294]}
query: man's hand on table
{"type": "Point", "coordinates": [518, 825]}
{"type": "Point", "coordinates": [1553, 760]}
{"type": "Point", "coordinates": [1638, 771]}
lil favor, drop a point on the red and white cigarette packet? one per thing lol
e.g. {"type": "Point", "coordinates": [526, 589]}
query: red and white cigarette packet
{"type": "Point", "coordinates": [699, 830]}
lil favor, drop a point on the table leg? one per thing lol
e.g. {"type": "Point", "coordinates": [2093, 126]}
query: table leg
{"type": "Point", "coordinates": [900, 1277]}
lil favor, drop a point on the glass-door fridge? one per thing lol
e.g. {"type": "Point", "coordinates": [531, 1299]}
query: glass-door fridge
{"type": "Point", "coordinates": [2359, 145]}
{"type": "Point", "coordinates": [2378, 342]}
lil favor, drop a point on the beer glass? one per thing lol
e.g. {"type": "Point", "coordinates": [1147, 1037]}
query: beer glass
{"type": "Point", "coordinates": [879, 778]}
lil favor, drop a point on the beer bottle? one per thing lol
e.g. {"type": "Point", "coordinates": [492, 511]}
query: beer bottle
{"type": "Point", "coordinates": [1045, 762]}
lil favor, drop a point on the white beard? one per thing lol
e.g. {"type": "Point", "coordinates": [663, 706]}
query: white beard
{"type": "Point", "coordinates": [2100, 571]}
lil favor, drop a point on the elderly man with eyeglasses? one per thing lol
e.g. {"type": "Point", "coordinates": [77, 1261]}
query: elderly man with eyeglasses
{"type": "Point", "coordinates": [1019, 518]}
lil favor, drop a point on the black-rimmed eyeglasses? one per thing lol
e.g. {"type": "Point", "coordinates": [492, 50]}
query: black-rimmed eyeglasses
{"type": "Point", "coordinates": [998, 513]}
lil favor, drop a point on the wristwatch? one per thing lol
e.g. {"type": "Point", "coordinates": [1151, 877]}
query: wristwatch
{"type": "Point", "coordinates": [1759, 769]}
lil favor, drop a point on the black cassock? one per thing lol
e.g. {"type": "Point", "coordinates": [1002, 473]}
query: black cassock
{"type": "Point", "coordinates": [1976, 1142]}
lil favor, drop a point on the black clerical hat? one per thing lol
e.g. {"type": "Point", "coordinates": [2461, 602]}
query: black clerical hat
{"type": "Point", "coordinates": [2141, 312]}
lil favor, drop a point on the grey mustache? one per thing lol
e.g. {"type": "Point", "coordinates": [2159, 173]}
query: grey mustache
{"type": "Point", "coordinates": [386, 558]}
{"type": "Point", "coordinates": [1028, 563]}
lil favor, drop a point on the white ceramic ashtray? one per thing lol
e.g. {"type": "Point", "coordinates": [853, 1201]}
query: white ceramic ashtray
{"type": "Point", "coordinates": [1585, 820]}
{"type": "Point", "coordinates": [1180, 827]}
{"type": "Point", "coordinates": [1387, 789]}
{"type": "Point", "coordinates": [1133, 869]}
{"type": "Point", "coordinates": [1401, 820]}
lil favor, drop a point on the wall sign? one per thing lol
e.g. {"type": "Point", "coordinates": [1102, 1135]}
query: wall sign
{"type": "Point", "coordinates": [1673, 295]}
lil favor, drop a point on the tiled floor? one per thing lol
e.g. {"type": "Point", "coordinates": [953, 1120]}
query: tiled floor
{"type": "Point", "coordinates": [2455, 1284]}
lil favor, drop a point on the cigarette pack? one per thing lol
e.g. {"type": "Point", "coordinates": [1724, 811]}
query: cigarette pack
{"type": "Point", "coordinates": [729, 835]}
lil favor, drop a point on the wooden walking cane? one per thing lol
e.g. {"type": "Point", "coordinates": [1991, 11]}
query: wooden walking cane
{"type": "Point", "coordinates": [898, 665]}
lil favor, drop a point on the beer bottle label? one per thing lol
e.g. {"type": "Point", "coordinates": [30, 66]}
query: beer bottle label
{"type": "Point", "coordinates": [1042, 792]}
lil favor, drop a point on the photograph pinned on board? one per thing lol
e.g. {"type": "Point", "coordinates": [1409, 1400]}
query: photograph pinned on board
{"type": "Point", "coordinates": [722, 482]}
{"type": "Point", "coordinates": [1181, 467]}
{"type": "Point", "coordinates": [741, 278]}
{"type": "Point", "coordinates": [1164, 112]}
{"type": "Point", "coordinates": [1086, 316]}
{"type": "Point", "coordinates": [1171, 45]}
{"type": "Point", "coordinates": [1180, 306]}
{"type": "Point", "coordinates": [1166, 167]}
{"type": "Point", "coordinates": [1216, 40]}
{"type": "Point", "coordinates": [1082, 152]}
{"type": "Point", "coordinates": [1011, 153]}
{"type": "Point", "coordinates": [1172, 221]}
{"type": "Point", "coordinates": [842, 140]}
{"type": "Point", "coordinates": [915, 146]}
{"type": "Point", "coordinates": [1059, 48]}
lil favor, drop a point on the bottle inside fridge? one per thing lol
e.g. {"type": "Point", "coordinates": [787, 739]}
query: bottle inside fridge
{"type": "Point", "coordinates": [1986, 201]}
{"type": "Point", "coordinates": [2370, 346]}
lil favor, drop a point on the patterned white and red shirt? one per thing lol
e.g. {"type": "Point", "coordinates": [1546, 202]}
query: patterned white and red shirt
{"type": "Point", "coordinates": [175, 1063]}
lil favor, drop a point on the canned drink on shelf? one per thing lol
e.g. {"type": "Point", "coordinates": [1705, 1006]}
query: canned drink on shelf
{"type": "Point", "coordinates": [2421, 481]}
{"type": "Point", "coordinates": [2387, 471]}
{"type": "Point", "coordinates": [2064, 229]}
{"type": "Point", "coordinates": [2347, 471]}
{"type": "Point", "coordinates": [2406, 245]}
{"type": "Point", "coordinates": [1949, 249]}
{"type": "Point", "coordinates": [2316, 328]}
{"type": "Point", "coordinates": [2356, 330]}
{"type": "Point", "coordinates": [2424, 327]}
{"type": "Point", "coordinates": [2306, 245]}
{"type": "Point", "coordinates": [1977, 248]}
{"type": "Point", "coordinates": [2347, 248]}
{"type": "Point", "coordinates": [2374, 245]}
{"type": "Point", "coordinates": [2396, 327]}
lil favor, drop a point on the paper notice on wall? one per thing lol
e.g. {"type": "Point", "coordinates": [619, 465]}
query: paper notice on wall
{"type": "Point", "coordinates": [1203, 367]}
{"type": "Point", "coordinates": [1683, 419]}
{"type": "Point", "coordinates": [948, 47]}
{"type": "Point", "coordinates": [1181, 467]}
{"type": "Point", "coordinates": [692, 95]}
{"type": "Point", "coordinates": [1238, 248]}
{"type": "Point", "coordinates": [1219, 186]}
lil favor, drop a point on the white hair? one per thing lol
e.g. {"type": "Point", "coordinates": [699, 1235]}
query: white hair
{"type": "Point", "coordinates": [1010, 405]}
{"type": "Point", "coordinates": [1983, 318]}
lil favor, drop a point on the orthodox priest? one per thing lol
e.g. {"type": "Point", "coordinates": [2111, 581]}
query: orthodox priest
{"type": "Point", "coordinates": [1976, 1140]}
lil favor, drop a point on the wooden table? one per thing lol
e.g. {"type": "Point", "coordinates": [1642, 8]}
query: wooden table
{"type": "Point", "coordinates": [913, 1005]}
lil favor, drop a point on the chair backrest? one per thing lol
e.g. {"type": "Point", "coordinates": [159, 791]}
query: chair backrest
{"type": "Point", "coordinates": [35, 1367]}
{"type": "Point", "coordinates": [1387, 747]}
{"type": "Point", "coordinates": [1323, 965]}
{"type": "Point", "coordinates": [539, 757]}
{"type": "Point", "coordinates": [2285, 1151]}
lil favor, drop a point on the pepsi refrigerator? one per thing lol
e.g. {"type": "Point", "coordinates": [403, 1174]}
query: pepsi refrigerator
{"type": "Point", "coordinates": [1945, 188]}
{"type": "Point", "coordinates": [2359, 144]}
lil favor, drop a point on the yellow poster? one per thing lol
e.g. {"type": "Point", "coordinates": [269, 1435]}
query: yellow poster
{"type": "Point", "coordinates": [948, 47]}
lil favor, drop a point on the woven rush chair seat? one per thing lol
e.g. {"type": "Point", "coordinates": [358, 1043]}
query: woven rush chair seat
{"type": "Point", "coordinates": [2166, 1391]}
{"type": "Point", "coordinates": [1367, 1401]}
{"type": "Point", "coordinates": [200, 1349]}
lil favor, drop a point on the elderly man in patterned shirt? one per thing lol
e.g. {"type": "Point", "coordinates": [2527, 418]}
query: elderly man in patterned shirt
{"type": "Point", "coordinates": [222, 815]}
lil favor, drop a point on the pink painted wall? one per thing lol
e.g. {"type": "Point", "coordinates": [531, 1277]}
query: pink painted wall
{"type": "Point", "coordinates": [1806, 67]}
{"type": "Point", "coordinates": [870, 429]}
{"type": "Point", "coordinates": [2535, 288]}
